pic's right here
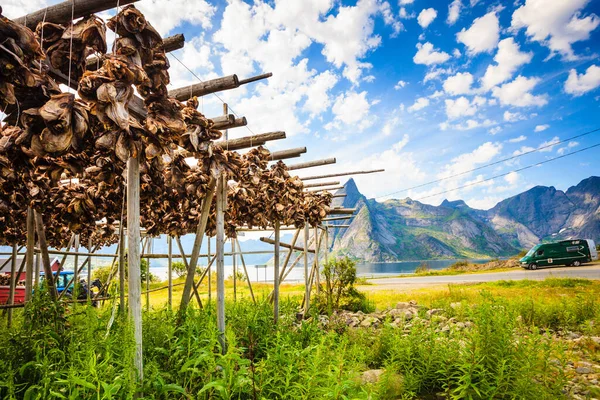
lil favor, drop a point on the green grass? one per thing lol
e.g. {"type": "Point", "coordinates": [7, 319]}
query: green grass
{"type": "Point", "coordinates": [75, 352]}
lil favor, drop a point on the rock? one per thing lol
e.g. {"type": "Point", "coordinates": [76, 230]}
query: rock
{"type": "Point", "coordinates": [434, 311]}
{"type": "Point", "coordinates": [583, 370]}
{"type": "Point", "coordinates": [369, 321]}
{"type": "Point", "coordinates": [353, 322]}
{"type": "Point", "coordinates": [403, 305]}
{"type": "Point", "coordinates": [445, 328]}
{"type": "Point", "coordinates": [460, 325]}
{"type": "Point", "coordinates": [395, 312]}
{"type": "Point", "coordinates": [371, 376]}
{"type": "Point", "coordinates": [573, 335]}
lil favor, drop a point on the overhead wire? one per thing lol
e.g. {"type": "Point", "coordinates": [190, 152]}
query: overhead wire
{"type": "Point", "coordinates": [541, 148]}
{"type": "Point", "coordinates": [510, 172]}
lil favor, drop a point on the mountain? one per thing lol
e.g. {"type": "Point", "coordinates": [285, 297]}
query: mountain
{"type": "Point", "coordinates": [409, 230]}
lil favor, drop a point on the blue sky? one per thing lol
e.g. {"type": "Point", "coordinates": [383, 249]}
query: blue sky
{"type": "Point", "coordinates": [425, 89]}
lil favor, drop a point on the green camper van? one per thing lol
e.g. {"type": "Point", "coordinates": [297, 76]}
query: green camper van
{"type": "Point", "coordinates": [567, 252]}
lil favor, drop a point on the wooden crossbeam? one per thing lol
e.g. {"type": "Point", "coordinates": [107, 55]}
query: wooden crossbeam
{"type": "Point", "coordinates": [314, 185]}
{"type": "Point", "coordinates": [286, 245]}
{"type": "Point", "coordinates": [342, 174]}
{"type": "Point", "coordinates": [326, 189]}
{"type": "Point", "coordinates": [309, 164]}
{"type": "Point", "coordinates": [343, 211]}
{"type": "Point", "coordinates": [213, 86]}
{"type": "Point", "coordinates": [285, 154]}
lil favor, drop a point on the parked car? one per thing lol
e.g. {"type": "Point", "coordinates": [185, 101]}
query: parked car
{"type": "Point", "coordinates": [567, 252]}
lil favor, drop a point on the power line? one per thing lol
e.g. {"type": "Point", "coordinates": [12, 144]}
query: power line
{"type": "Point", "coordinates": [490, 164]}
{"type": "Point", "coordinates": [507, 173]}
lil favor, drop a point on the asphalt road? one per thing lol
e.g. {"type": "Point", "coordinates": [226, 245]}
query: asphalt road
{"type": "Point", "coordinates": [591, 271]}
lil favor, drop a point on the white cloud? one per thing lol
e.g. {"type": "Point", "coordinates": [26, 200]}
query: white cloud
{"type": "Point", "coordinates": [518, 139]}
{"type": "Point", "coordinates": [426, 17]}
{"type": "Point", "coordinates": [569, 146]}
{"type": "Point", "coordinates": [556, 24]}
{"type": "Point", "coordinates": [390, 125]}
{"type": "Point", "coordinates": [467, 125]}
{"type": "Point", "coordinates": [428, 55]}
{"type": "Point", "coordinates": [317, 94]}
{"type": "Point", "coordinates": [458, 84]}
{"type": "Point", "coordinates": [468, 161]}
{"type": "Point", "coordinates": [167, 15]}
{"type": "Point", "coordinates": [390, 19]}
{"type": "Point", "coordinates": [578, 84]}
{"type": "Point", "coordinates": [18, 8]}
{"type": "Point", "coordinates": [523, 150]}
{"type": "Point", "coordinates": [462, 107]}
{"type": "Point", "coordinates": [419, 104]}
{"type": "Point", "coordinates": [454, 12]}
{"type": "Point", "coordinates": [403, 14]}
{"type": "Point", "coordinates": [436, 73]}
{"type": "Point", "coordinates": [400, 85]}
{"type": "Point", "coordinates": [456, 53]}
{"type": "Point", "coordinates": [512, 178]}
{"type": "Point", "coordinates": [508, 59]}
{"type": "Point", "coordinates": [541, 128]}
{"type": "Point", "coordinates": [405, 2]}
{"type": "Point", "coordinates": [352, 108]}
{"type": "Point", "coordinates": [436, 94]}
{"type": "Point", "coordinates": [495, 130]}
{"type": "Point", "coordinates": [549, 145]}
{"type": "Point", "coordinates": [513, 117]}
{"type": "Point", "coordinates": [482, 36]}
{"type": "Point", "coordinates": [516, 93]}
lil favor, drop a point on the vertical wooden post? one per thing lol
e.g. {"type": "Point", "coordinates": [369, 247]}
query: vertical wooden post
{"type": "Point", "coordinates": [89, 267]}
{"type": "Point", "coordinates": [170, 271]}
{"type": "Point", "coordinates": [326, 243]}
{"type": "Point", "coordinates": [233, 257]}
{"type": "Point", "coordinates": [148, 251]}
{"type": "Point", "coordinates": [122, 266]}
{"type": "Point", "coordinates": [30, 254]}
{"type": "Point", "coordinates": [221, 206]}
{"type": "Point", "coordinates": [133, 262]}
{"type": "Point", "coordinates": [76, 269]}
{"type": "Point", "coordinates": [245, 270]}
{"type": "Point", "coordinates": [36, 277]}
{"type": "Point", "coordinates": [39, 226]}
{"type": "Point", "coordinates": [209, 273]}
{"type": "Point", "coordinates": [306, 274]}
{"type": "Point", "coordinates": [276, 275]}
{"type": "Point", "coordinates": [13, 283]}
{"type": "Point", "coordinates": [318, 271]}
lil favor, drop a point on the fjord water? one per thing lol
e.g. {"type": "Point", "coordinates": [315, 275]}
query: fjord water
{"type": "Point", "coordinates": [368, 270]}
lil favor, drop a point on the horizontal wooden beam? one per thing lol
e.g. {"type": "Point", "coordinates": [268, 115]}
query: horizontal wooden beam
{"type": "Point", "coordinates": [342, 174]}
{"type": "Point", "coordinates": [331, 189]}
{"type": "Point", "coordinates": [63, 13]}
{"type": "Point", "coordinates": [337, 226]}
{"type": "Point", "coordinates": [285, 154]}
{"type": "Point", "coordinates": [287, 246]}
{"type": "Point", "coordinates": [170, 43]}
{"type": "Point", "coordinates": [337, 218]}
{"type": "Point", "coordinates": [250, 141]}
{"type": "Point", "coordinates": [338, 195]}
{"type": "Point", "coordinates": [309, 164]}
{"type": "Point", "coordinates": [343, 211]}
{"type": "Point", "coordinates": [213, 86]}
{"type": "Point", "coordinates": [223, 120]}
{"type": "Point", "coordinates": [314, 185]}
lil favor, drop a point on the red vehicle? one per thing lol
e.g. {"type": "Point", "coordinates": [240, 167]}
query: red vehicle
{"type": "Point", "coordinates": [20, 289]}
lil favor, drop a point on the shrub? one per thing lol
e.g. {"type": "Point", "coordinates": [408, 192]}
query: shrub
{"type": "Point", "coordinates": [422, 268]}
{"type": "Point", "coordinates": [337, 289]}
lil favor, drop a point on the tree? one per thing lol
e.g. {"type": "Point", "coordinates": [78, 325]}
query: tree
{"type": "Point", "coordinates": [339, 276]}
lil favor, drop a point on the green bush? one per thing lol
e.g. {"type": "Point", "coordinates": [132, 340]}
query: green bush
{"type": "Point", "coordinates": [422, 268]}
{"type": "Point", "coordinates": [337, 287]}
{"type": "Point", "coordinates": [102, 273]}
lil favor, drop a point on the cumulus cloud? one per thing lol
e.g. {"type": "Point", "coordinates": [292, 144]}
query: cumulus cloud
{"type": "Point", "coordinates": [508, 59]}
{"type": "Point", "coordinates": [569, 146]}
{"type": "Point", "coordinates": [419, 104]}
{"type": "Point", "coordinates": [541, 128]}
{"type": "Point", "coordinates": [513, 117]}
{"type": "Point", "coordinates": [555, 24]}
{"type": "Point", "coordinates": [458, 84]}
{"type": "Point", "coordinates": [462, 107]}
{"type": "Point", "coordinates": [579, 84]}
{"type": "Point", "coordinates": [426, 17]}
{"type": "Point", "coordinates": [400, 84]}
{"type": "Point", "coordinates": [549, 145]}
{"type": "Point", "coordinates": [512, 178]}
{"type": "Point", "coordinates": [428, 55]}
{"type": "Point", "coordinates": [352, 108]}
{"type": "Point", "coordinates": [482, 36]}
{"type": "Point", "coordinates": [467, 125]}
{"type": "Point", "coordinates": [167, 15]}
{"type": "Point", "coordinates": [518, 139]}
{"type": "Point", "coordinates": [495, 130]}
{"type": "Point", "coordinates": [436, 73]}
{"type": "Point", "coordinates": [517, 93]}
{"type": "Point", "coordinates": [454, 12]}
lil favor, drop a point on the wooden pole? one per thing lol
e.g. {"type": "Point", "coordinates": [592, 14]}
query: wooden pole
{"type": "Point", "coordinates": [233, 259]}
{"type": "Point", "coordinates": [39, 226]}
{"type": "Point", "coordinates": [276, 275]}
{"type": "Point", "coordinates": [306, 277]}
{"type": "Point", "coordinates": [187, 268]}
{"type": "Point", "coordinates": [245, 270]}
{"type": "Point", "coordinates": [201, 228]}
{"type": "Point", "coordinates": [133, 262]}
{"type": "Point", "coordinates": [13, 284]}
{"type": "Point", "coordinates": [316, 234]}
{"type": "Point", "coordinates": [122, 267]}
{"type": "Point", "coordinates": [72, 279]}
{"type": "Point", "coordinates": [30, 254]}
{"type": "Point", "coordinates": [76, 267]}
{"type": "Point", "coordinates": [342, 174]}
{"type": "Point", "coordinates": [209, 273]}
{"type": "Point", "coordinates": [343, 211]}
{"type": "Point", "coordinates": [289, 153]}
{"type": "Point", "coordinates": [63, 13]}
{"type": "Point", "coordinates": [170, 271]}
{"type": "Point", "coordinates": [89, 266]}
{"type": "Point", "coordinates": [213, 86]}
{"type": "Point", "coordinates": [221, 206]}
{"type": "Point", "coordinates": [329, 189]}
{"type": "Point", "coordinates": [149, 247]}
{"type": "Point", "coordinates": [309, 164]}
{"type": "Point", "coordinates": [316, 185]}
{"type": "Point", "coordinates": [326, 244]}
{"type": "Point", "coordinates": [286, 245]}
{"type": "Point", "coordinates": [36, 276]}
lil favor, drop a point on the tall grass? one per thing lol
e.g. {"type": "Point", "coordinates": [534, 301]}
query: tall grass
{"type": "Point", "coordinates": [505, 354]}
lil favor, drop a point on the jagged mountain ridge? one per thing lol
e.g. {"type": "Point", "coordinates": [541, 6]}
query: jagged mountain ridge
{"type": "Point", "coordinates": [410, 230]}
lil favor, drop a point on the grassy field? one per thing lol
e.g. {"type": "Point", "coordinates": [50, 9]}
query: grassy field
{"type": "Point", "coordinates": [513, 347]}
